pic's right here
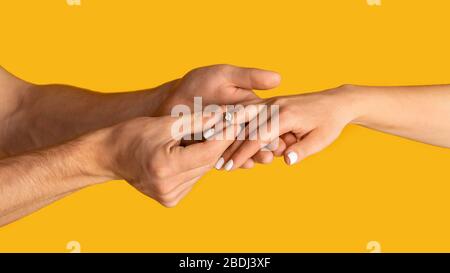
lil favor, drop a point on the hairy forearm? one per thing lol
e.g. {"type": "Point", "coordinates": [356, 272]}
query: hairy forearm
{"type": "Point", "coordinates": [28, 209]}
{"type": "Point", "coordinates": [37, 116]}
{"type": "Point", "coordinates": [42, 177]}
{"type": "Point", "coordinates": [53, 114]}
{"type": "Point", "coordinates": [420, 113]}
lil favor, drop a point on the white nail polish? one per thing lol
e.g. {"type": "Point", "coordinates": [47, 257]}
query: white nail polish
{"type": "Point", "coordinates": [293, 157]}
{"type": "Point", "coordinates": [229, 165]}
{"type": "Point", "coordinates": [209, 133]}
{"type": "Point", "coordinates": [228, 116]}
{"type": "Point", "coordinates": [219, 163]}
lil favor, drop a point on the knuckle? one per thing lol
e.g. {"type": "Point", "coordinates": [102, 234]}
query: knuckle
{"type": "Point", "coordinates": [168, 202]}
{"type": "Point", "coordinates": [195, 71]}
{"type": "Point", "coordinates": [346, 87]}
{"type": "Point", "coordinates": [285, 113]}
{"type": "Point", "coordinates": [162, 189]}
{"type": "Point", "coordinates": [222, 67]}
{"type": "Point", "coordinates": [278, 101]}
{"type": "Point", "coordinates": [158, 171]}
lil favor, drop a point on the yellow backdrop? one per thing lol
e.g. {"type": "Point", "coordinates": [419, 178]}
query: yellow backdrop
{"type": "Point", "coordinates": [367, 186]}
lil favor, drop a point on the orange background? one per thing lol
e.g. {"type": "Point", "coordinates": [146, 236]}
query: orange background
{"type": "Point", "coordinates": [366, 186]}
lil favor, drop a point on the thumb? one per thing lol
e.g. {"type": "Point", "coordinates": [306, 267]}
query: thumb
{"type": "Point", "coordinates": [252, 78]}
{"type": "Point", "coordinates": [312, 143]}
{"type": "Point", "coordinates": [208, 152]}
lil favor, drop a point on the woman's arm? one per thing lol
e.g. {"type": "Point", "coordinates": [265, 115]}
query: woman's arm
{"type": "Point", "coordinates": [420, 113]}
{"type": "Point", "coordinates": [315, 120]}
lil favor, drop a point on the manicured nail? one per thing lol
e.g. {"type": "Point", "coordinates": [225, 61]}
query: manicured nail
{"type": "Point", "coordinates": [228, 116]}
{"type": "Point", "coordinates": [209, 133]}
{"type": "Point", "coordinates": [229, 165]}
{"type": "Point", "coordinates": [219, 163]}
{"type": "Point", "coordinates": [292, 158]}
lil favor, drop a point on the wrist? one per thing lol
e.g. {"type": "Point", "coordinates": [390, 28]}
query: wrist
{"type": "Point", "coordinates": [156, 98]}
{"type": "Point", "coordinates": [353, 101]}
{"type": "Point", "coordinates": [96, 155]}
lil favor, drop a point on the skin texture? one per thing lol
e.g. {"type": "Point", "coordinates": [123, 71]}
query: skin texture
{"type": "Point", "coordinates": [315, 120]}
{"type": "Point", "coordinates": [36, 119]}
{"type": "Point", "coordinates": [224, 85]}
{"type": "Point", "coordinates": [57, 139]}
{"type": "Point", "coordinates": [39, 116]}
{"type": "Point", "coordinates": [143, 151]}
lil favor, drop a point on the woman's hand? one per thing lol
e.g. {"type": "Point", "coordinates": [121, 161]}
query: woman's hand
{"type": "Point", "coordinates": [310, 122]}
{"type": "Point", "coordinates": [222, 85]}
{"type": "Point", "coordinates": [307, 124]}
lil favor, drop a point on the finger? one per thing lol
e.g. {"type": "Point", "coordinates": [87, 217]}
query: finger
{"type": "Point", "coordinates": [276, 148]}
{"type": "Point", "coordinates": [187, 175]}
{"type": "Point", "coordinates": [185, 191]}
{"type": "Point", "coordinates": [172, 199]}
{"type": "Point", "coordinates": [256, 117]}
{"type": "Point", "coordinates": [205, 153]}
{"type": "Point", "coordinates": [173, 181]}
{"type": "Point", "coordinates": [289, 139]}
{"type": "Point", "coordinates": [247, 112]}
{"type": "Point", "coordinates": [264, 136]}
{"type": "Point", "coordinates": [263, 157]}
{"type": "Point", "coordinates": [310, 144]}
{"type": "Point", "coordinates": [250, 163]}
{"type": "Point", "coordinates": [196, 124]}
{"type": "Point", "coordinates": [252, 78]}
{"type": "Point", "coordinates": [181, 196]}
{"type": "Point", "coordinates": [189, 142]}
{"type": "Point", "coordinates": [250, 147]}
{"type": "Point", "coordinates": [278, 151]}
{"type": "Point", "coordinates": [232, 148]}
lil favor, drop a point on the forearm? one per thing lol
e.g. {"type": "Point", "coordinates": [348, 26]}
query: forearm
{"type": "Point", "coordinates": [53, 114]}
{"type": "Point", "coordinates": [28, 209]}
{"type": "Point", "coordinates": [38, 116]}
{"type": "Point", "coordinates": [40, 177]}
{"type": "Point", "coordinates": [420, 113]}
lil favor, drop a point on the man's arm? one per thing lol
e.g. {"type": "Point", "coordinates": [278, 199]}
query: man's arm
{"type": "Point", "coordinates": [25, 210]}
{"type": "Point", "coordinates": [32, 180]}
{"type": "Point", "coordinates": [144, 151]}
{"type": "Point", "coordinates": [34, 117]}
{"type": "Point", "coordinates": [37, 116]}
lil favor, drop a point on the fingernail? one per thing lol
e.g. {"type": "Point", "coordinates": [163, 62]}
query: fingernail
{"type": "Point", "coordinates": [219, 163]}
{"type": "Point", "coordinates": [292, 158]}
{"type": "Point", "coordinates": [209, 133]}
{"type": "Point", "coordinates": [228, 116]}
{"type": "Point", "coordinates": [229, 165]}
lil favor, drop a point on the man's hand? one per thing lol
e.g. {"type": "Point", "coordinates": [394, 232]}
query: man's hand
{"type": "Point", "coordinates": [218, 84]}
{"type": "Point", "coordinates": [145, 152]}
{"type": "Point", "coordinates": [39, 116]}
{"type": "Point", "coordinates": [222, 85]}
